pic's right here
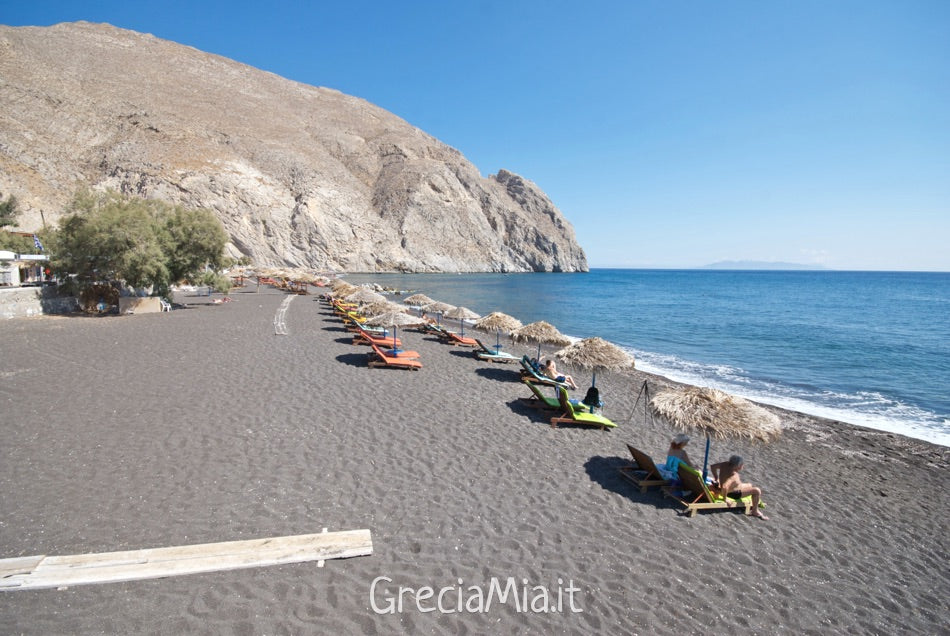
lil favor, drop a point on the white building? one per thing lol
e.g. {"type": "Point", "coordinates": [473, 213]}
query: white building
{"type": "Point", "coordinates": [17, 270]}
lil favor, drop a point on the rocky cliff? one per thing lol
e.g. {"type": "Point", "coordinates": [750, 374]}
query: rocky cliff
{"type": "Point", "coordinates": [299, 175]}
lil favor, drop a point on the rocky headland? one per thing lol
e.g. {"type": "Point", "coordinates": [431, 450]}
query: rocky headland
{"type": "Point", "coordinates": [299, 175]}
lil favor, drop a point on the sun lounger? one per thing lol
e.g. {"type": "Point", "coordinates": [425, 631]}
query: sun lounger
{"type": "Point", "coordinates": [365, 337]}
{"type": "Point", "coordinates": [351, 317]}
{"type": "Point", "coordinates": [695, 495]}
{"type": "Point", "coordinates": [529, 372]}
{"type": "Point", "coordinates": [341, 307]}
{"type": "Point", "coordinates": [491, 355]}
{"type": "Point", "coordinates": [541, 401]}
{"type": "Point", "coordinates": [644, 473]}
{"type": "Point", "coordinates": [356, 327]}
{"type": "Point", "coordinates": [437, 330]}
{"type": "Point", "coordinates": [347, 313]}
{"type": "Point", "coordinates": [379, 359]}
{"type": "Point", "coordinates": [399, 353]}
{"type": "Point", "coordinates": [461, 341]}
{"type": "Point", "coordinates": [430, 327]}
{"type": "Point", "coordinates": [573, 416]}
{"type": "Point", "coordinates": [450, 336]}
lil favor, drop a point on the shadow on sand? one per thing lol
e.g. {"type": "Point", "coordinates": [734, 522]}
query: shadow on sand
{"type": "Point", "coordinates": [605, 471]}
{"type": "Point", "coordinates": [498, 373]}
{"type": "Point", "coordinates": [358, 359]}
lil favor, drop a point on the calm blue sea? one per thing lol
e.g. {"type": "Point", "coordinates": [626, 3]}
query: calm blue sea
{"type": "Point", "coordinates": [869, 348]}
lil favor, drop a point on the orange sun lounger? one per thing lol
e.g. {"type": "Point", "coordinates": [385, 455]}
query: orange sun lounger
{"type": "Point", "coordinates": [379, 358]}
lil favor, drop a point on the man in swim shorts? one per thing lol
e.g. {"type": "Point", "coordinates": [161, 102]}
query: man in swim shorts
{"type": "Point", "coordinates": [550, 370]}
{"type": "Point", "coordinates": [731, 484]}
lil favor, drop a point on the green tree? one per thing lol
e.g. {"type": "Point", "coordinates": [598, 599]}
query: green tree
{"type": "Point", "coordinates": [143, 242]}
{"type": "Point", "coordinates": [9, 211]}
{"type": "Point", "coordinates": [16, 243]}
{"type": "Point", "coordinates": [216, 281]}
{"type": "Point", "coordinates": [193, 239]}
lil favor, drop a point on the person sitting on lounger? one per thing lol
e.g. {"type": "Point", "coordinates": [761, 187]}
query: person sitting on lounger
{"type": "Point", "coordinates": [677, 453]}
{"type": "Point", "coordinates": [731, 484]}
{"type": "Point", "coordinates": [550, 370]}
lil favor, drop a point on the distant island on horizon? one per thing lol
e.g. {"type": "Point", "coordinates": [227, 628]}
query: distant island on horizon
{"type": "Point", "coordinates": [761, 265]}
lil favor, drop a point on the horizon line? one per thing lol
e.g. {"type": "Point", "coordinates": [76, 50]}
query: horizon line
{"type": "Point", "coordinates": [761, 269]}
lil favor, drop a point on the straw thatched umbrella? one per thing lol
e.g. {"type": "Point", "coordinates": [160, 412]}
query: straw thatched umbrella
{"type": "Point", "coordinates": [437, 307]}
{"type": "Point", "coordinates": [365, 296]}
{"type": "Point", "coordinates": [715, 413]}
{"type": "Point", "coordinates": [541, 331]}
{"type": "Point", "coordinates": [341, 288]}
{"type": "Point", "coordinates": [394, 319]}
{"type": "Point", "coordinates": [382, 307]}
{"type": "Point", "coordinates": [497, 321]}
{"type": "Point", "coordinates": [595, 354]}
{"type": "Point", "coordinates": [463, 314]}
{"type": "Point", "coordinates": [418, 300]}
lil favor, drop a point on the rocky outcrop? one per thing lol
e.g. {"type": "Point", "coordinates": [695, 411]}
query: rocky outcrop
{"type": "Point", "coordinates": [299, 175]}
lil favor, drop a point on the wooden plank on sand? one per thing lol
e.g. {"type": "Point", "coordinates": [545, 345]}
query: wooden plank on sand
{"type": "Point", "coordinates": [38, 572]}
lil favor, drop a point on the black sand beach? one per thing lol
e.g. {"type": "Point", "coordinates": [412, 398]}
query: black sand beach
{"type": "Point", "coordinates": [202, 425]}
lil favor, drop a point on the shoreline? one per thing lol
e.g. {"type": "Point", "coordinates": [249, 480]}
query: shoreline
{"type": "Point", "coordinates": [761, 390]}
{"type": "Point", "coordinates": [202, 425]}
{"type": "Point", "coordinates": [663, 377]}
{"type": "Point", "coordinates": [831, 414]}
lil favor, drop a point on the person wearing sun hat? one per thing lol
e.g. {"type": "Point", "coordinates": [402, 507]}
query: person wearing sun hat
{"type": "Point", "coordinates": [677, 453]}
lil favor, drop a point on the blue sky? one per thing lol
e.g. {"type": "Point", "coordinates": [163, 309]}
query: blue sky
{"type": "Point", "coordinates": [670, 134]}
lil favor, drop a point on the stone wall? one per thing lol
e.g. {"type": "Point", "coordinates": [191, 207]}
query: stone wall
{"type": "Point", "coordinates": [137, 305]}
{"type": "Point", "coordinates": [23, 302]}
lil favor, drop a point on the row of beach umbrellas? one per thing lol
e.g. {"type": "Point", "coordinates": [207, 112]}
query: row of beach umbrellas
{"type": "Point", "coordinates": [703, 410]}
{"type": "Point", "coordinates": [592, 354]}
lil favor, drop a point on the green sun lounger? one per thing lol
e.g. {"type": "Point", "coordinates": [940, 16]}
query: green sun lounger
{"type": "Point", "coordinates": [574, 416]}
{"type": "Point", "coordinates": [695, 495]}
{"type": "Point", "coordinates": [542, 401]}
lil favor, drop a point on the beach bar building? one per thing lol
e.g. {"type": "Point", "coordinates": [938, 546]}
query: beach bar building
{"type": "Point", "coordinates": [17, 270]}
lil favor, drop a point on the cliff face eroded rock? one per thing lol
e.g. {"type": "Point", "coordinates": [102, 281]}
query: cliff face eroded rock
{"type": "Point", "coordinates": [299, 175]}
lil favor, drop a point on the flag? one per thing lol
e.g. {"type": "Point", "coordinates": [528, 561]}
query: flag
{"type": "Point", "coordinates": [37, 243]}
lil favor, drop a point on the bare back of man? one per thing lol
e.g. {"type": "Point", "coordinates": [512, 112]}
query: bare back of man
{"type": "Point", "coordinates": [731, 484]}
